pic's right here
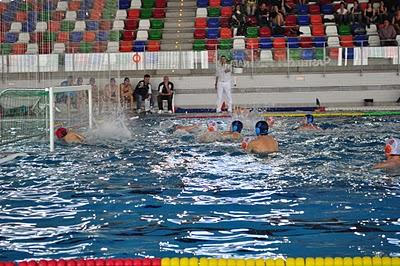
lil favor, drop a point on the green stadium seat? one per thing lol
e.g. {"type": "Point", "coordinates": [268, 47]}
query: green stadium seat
{"type": "Point", "coordinates": [214, 12]}
{"type": "Point", "coordinates": [199, 45]}
{"type": "Point", "coordinates": [44, 16]}
{"type": "Point", "coordinates": [156, 24]}
{"type": "Point", "coordinates": [225, 44]}
{"type": "Point", "coordinates": [148, 3]}
{"type": "Point", "coordinates": [49, 36]}
{"type": "Point", "coordinates": [226, 53]}
{"type": "Point", "coordinates": [85, 47]}
{"type": "Point", "coordinates": [294, 54]}
{"type": "Point", "coordinates": [115, 36]}
{"type": "Point", "coordinates": [5, 48]}
{"type": "Point", "coordinates": [145, 13]}
{"type": "Point", "coordinates": [109, 14]}
{"type": "Point", "coordinates": [155, 34]}
{"type": "Point", "coordinates": [319, 54]}
{"type": "Point", "coordinates": [25, 6]}
{"type": "Point", "coordinates": [67, 25]}
{"type": "Point", "coordinates": [344, 29]}
{"type": "Point", "coordinates": [252, 32]}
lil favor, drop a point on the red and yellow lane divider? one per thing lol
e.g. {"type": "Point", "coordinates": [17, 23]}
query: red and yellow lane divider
{"type": "Point", "coordinates": [193, 261]}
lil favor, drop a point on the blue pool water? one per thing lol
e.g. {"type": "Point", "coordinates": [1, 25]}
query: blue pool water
{"type": "Point", "coordinates": [162, 194]}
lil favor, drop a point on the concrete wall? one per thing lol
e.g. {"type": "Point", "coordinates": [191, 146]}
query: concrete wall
{"type": "Point", "coordinates": [271, 90]}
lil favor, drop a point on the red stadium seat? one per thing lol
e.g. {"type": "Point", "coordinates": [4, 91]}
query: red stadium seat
{"type": "Point", "coordinates": [252, 43]}
{"type": "Point", "coordinates": [19, 48]}
{"type": "Point", "coordinates": [106, 25]}
{"type": "Point", "coordinates": [95, 14]}
{"type": "Point", "coordinates": [279, 43]}
{"type": "Point", "coordinates": [63, 37]}
{"type": "Point", "coordinates": [128, 35]}
{"type": "Point", "coordinates": [291, 20]}
{"type": "Point", "coordinates": [200, 23]}
{"type": "Point", "coordinates": [224, 22]}
{"type": "Point", "coordinates": [334, 53]}
{"type": "Point", "coordinates": [346, 41]}
{"type": "Point", "coordinates": [153, 46]}
{"type": "Point", "coordinates": [265, 32]}
{"type": "Point", "coordinates": [316, 19]}
{"type": "Point", "coordinates": [45, 48]}
{"type": "Point", "coordinates": [74, 5]}
{"type": "Point", "coordinates": [199, 33]}
{"type": "Point", "coordinates": [214, 3]}
{"type": "Point", "coordinates": [226, 33]}
{"type": "Point", "coordinates": [306, 42]}
{"type": "Point", "coordinates": [72, 47]}
{"type": "Point", "coordinates": [99, 47]}
{"type": "Point", "coordinates": [20, 16]}
{"type": "Point", "coordinates": [125, 46]}
{"type": "Point", "coordinates": [161, 3]}
{"type": "Point", "coordinates": [134, 13]}
{"type": "Point", "coordinates": [226, 11]}
{"type": "Point", "coordinates": [89, 36]}
{"type": "Point", "coordinates": [212, 44]}
{"type": "Point", "coordinates": [131, 24]}
{"type": "Point", "coordinates": [53, 26]}
{"type": "Point", "coordinates": [318, 30]}
{"type": "Point", "coordinates": [279, 54]}
{"type": "Point", "coordinates": [158, 13]}
{"type": "Point", "coordinates": [314, 9]}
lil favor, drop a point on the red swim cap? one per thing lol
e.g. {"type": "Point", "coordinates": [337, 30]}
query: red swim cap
{"type": "Point", "coordinates": [61, 132]}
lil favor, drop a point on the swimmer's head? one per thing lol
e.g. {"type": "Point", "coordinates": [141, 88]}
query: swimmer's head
{"type": "Point", "coordinates": [61, 132]}
{"type": "Point", "coordinates": [309, 119]}
{"type": "Point", "coordinates": [212, 126]}
{"type": "Point", "coordinates": [237, 126]}
{"type": "Point", "coordinates": [392, 147]}
{"type": "Point", "coordinates": [270, 121]}
{"type": "Point", "coordinates": [261, 128]}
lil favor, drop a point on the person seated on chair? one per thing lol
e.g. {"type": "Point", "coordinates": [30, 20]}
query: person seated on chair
{"type": "Point", "coordinates": [111, 91]}
{"type": "Point", "coordinates": [387, 34]}
{"type": "Point", "coordinates": [392, 153]}
{"type": "Point", "coordinates": [165, 92]}
{"type": "Point", "coordinates": [308, 124]}
{"type": "Point", "coordinates": [263, 143]}
{"type": "Point", "coordinates": [234, 133]}
{"type": "Point", "coordinates": [143, 92]}
{"type": "Point", "coordinates": [126, 92]}
{"type": "Point", "coordinates": [69, 136]}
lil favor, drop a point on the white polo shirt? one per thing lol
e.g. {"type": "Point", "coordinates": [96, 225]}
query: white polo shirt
{"type": "Point", "coordinates": [222, 75]}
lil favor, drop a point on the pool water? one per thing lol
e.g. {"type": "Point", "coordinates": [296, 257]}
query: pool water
{"type": "Point", "coordinates": [155, 193]}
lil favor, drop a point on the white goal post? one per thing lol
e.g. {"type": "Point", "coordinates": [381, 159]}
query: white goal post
{"type": "Point", "coordinates": [52, 104]}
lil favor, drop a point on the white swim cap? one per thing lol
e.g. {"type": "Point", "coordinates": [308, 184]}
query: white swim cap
{"type": "Point", "coordinates": [392, 146]}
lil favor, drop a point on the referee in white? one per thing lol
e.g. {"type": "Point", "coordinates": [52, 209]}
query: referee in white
{"type": "Point", "coordinates": [223, 84]}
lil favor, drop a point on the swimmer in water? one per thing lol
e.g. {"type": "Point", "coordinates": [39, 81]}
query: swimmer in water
{"type": "Point", "coordinates": [308, 124]}
{"type": "Point", "coordinates": [270, 121]}
{"type": "Point", "coordinates": [212, 134]}
{"type": "Point", "coordinates": [187, 129]}
{"type": "Point", "coordinates": [263, 143]}
{"type": "Point", "coordinates": [234, 133]}
{"type": "Point", "coordinates": [69, 136]}
{"type": "Point", "coordinates": [392, 153]}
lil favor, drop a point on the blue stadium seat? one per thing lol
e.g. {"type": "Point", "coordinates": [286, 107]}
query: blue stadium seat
{"type": "Point", "coordinates": [28, 26]}
{"type": "Point", "coordinates": [13, 5]}
{"type": "Point", "coordinates": [212, 33]}
{"type": "Point", "coordinates": [239, 55]}
{"type": "Point", "coordinates": [48, 5]}
{"type": "Point", "coordinates": [327, 9]}
{"type": "Point", "coordinates": [303, 20]}
{"type": "Point", "coordinates": [11, 37]}
{"type": "Point", "coordinates": [102, 36]}
{"type": "Point", "coordinates": [92, 25]}
{"type": "Point", "coordinates": [124, 4]}
{"type": "Point", "coordinates": [350, 53]}
{"type": "Point", "coordinates": [265, 43]}
{"type": "Point", "coordinates": [293, 42]}
{"type": "Point", "coordinates": [213, 23]}
{"type": "Point", "coordinates": [76, 36]}
{"type": "Point", "coordinates": [32, 16]}
{"type": "Point", "coordinates": [202, 3]}
{"type": "Point", "coordinates": [8, 16]}
{"type": "Point", "coordinates": [302, 9]}
{"type": "Point", "coordinates": [87, 4]}
{"type": "Point", "coordinates": [227, 3]}
{"type": "Point", "coordinates": [361, 40]}
{"type": "Point", "coordinates": [319, 42]}
{"type": "Point", "coordinates": [82, 14]}
{"type": "Point", "coordinates": [307, 54]}
{"type": "Point", "coordinates": [139, 46]}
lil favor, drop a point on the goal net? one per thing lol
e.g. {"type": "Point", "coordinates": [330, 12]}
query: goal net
{"type": "Point", "coordinates": [30, 113]}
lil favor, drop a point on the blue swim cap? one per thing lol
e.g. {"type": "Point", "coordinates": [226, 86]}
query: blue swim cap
{"type": "Point", "coordinates": [237, 126]}
{"type": "Point", "coordinates": [261, 128]}
{"type": "Point", "coordinates": [310, 119]}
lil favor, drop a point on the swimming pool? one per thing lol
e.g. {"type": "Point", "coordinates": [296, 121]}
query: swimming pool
{"type": "Point", "coordinates": [162, 194]}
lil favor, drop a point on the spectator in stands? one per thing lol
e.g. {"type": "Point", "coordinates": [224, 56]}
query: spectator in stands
{"type": "Point", "coordinates": [251, 6]}
{"type": "Point", "coordinates": [68, 82]}
{"type": "Point", "coordinates": [111, 91]}
{"type": "Point", "coordinates": [79, 81]}
{"type": "Point", "coordinates": [262, 15]}
{"type": "Point", "coordinates": [369, 15]}
{"type": "Point", "coordinates": [143, 92]}
{"type": "Point", "coordinates": [288, 6]}
{"type": "Point", "coordinates": [97, 95]}
{"type": "Point", "coordinates": [356, 13]}
{"type": "Point", "coordinates": [238, 21]}
{"type": "Point", "coordinates": [277, 21]}
{"type": "Point", "coordinates": [382, 13]}
{"type": "Point", "coordinates": [387, 34]}
{"type": "Point", "coordinates": [165, 92]}
{"type": "Point", "coordinates": [126, 92]}
{"type": "Point", "coordinates": [342, 14]}
{"type": "Point", "coordinates": [396, 21]}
